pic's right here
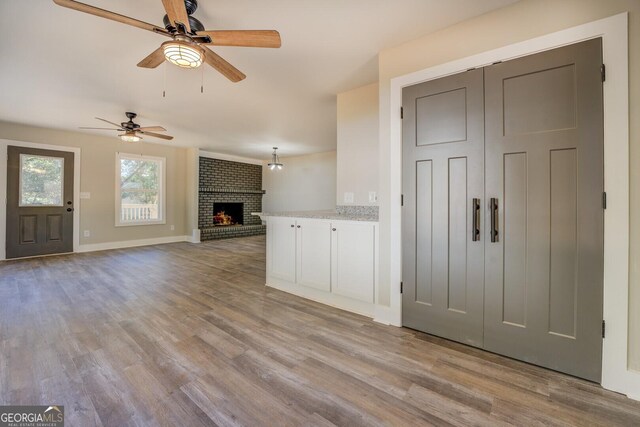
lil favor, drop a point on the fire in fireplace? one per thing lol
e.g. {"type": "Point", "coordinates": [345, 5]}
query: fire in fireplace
{"type": "Point", "coordinates": [227, 213]}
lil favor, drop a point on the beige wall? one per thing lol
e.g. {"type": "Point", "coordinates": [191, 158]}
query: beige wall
{"type": "Point", "coordinates": [305, 183]}
{"type": "Point", "coordinates": [521, 21]}
{"type": "Point", "coordinates": [357, 125]}
{"type": "Point", "coordinates": [97, 176]}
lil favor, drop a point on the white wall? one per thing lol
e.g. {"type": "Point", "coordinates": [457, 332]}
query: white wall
{"type": "Point", "coordinates": [305, 183]}
{"type": "Point", "coordinates": [357, 125]}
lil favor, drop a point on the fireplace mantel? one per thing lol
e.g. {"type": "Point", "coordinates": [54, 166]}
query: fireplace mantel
{"type": "Point", "coordinates": [230, 190]}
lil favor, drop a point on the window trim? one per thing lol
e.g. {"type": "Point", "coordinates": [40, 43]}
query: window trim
{"type": "Point", "coordinates": [161, 190]}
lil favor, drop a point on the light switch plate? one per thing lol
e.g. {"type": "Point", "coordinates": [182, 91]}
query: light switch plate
{"type": "Point", "coordinates": [373, 197]}
{"type": "Point", "coordinates": [85, 195]}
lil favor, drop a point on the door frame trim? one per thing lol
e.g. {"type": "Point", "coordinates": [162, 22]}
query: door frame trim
{"type": "Point", "coordinates": [614, 32]}
{"type": "Point", "coordinates": [4, 143]}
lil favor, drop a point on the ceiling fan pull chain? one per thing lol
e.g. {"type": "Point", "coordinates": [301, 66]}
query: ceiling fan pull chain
{"type": "Point", "coordinates": [202, 80]}
{"type": "Point", "coordinates": [164, 83]}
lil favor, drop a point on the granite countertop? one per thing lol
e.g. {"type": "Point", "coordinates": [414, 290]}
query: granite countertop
{"type": "Point", "coordinates": [328, 214]}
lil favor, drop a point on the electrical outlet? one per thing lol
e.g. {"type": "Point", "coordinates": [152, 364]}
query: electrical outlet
{"type": "Point", "coordinates": [373, 197]}
{"type": "Point", "coordinates": [87, 233]}
{"type": "Point", "coordinates": [173, 227]}
{"type": "Point", "coordinates": [348, 197]}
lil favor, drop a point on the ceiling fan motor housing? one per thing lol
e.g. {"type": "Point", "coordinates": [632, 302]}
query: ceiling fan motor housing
{"type": "Point", "coordinates": [130, 125]}
{"type": "Point", "coordinates": [191, 6]}
{"type": "Point", "coordinates": [194, 23]}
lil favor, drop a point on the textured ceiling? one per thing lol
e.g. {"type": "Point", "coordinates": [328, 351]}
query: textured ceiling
{"type": "Point", "coordinates": [61, 68]}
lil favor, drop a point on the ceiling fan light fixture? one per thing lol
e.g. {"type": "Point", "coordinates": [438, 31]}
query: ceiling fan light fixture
{"type": "Point", "coordinates": [275, 161]}
{"type": "Point", "coordinates": [184, 54]}
{"type": "Point", "coordinates": [130, 137]}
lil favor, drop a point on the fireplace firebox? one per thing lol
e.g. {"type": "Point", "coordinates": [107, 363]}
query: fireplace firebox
{"type": "Point", "coordinates": [227, 214]}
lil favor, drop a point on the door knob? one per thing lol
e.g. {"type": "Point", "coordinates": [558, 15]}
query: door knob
{"type": "Point", "coordinates": [69, 209]}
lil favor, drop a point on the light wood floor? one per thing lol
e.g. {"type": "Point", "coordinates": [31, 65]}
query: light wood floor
{"type": "Point", "coordinates": [188, 335]}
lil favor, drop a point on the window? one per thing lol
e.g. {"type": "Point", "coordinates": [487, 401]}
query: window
{"type": "Point", "coordinates": [140, 190]}
{"type": "Point", "coordinates": [41, 180]}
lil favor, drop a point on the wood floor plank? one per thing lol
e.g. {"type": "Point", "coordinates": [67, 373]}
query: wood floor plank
{"type": "Point", "coordinates": [450, 410]}
{"type": "Point", "coordinates": [188, 335]}
{"type": "Point", "coordinates": [186, 412]}
{"type": "Point", "coordinates": [387, 410]}
{"type": "Point", "coordinates": [505, 392]}
{"type": "Point", "coordinates": [299, 391]}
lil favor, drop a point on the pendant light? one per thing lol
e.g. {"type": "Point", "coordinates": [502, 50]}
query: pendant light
{"type": "Point", "coordinates": [275, 160]}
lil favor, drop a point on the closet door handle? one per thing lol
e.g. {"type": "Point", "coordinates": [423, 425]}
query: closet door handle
{"type": "Point", "coordinates": [475, 229]}
{"type": "Point", "coordinates": [493, 205]}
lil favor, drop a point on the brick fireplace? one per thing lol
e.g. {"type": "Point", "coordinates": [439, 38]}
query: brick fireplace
{"type": "Point", "coordinates": [228, 193]}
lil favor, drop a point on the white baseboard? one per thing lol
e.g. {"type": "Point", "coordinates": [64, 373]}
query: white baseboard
{"type": "Point", "coordinates": [195, 236]}
{"type": "Point", "coordinates": [387, 316]}
{"type": "Point", "coordinates": [634, 396]}
{"type": "Point", "coordinates": [382, 314]}
{"type": "Point", "coordinates": [132, 243]}
{"type": "Point", "coordinates": [323, 297]}
{"type": "Point", "coordinates": [633, 385]}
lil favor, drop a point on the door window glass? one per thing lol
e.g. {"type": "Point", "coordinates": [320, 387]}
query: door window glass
{"type": "Point", "coordinates": [41, 180]}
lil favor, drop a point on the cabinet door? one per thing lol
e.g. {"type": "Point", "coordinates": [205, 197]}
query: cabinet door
{"type": "Point", "coordinates": [281, 237]}
{"type": "Point", "coordinates": [353, 260]}
{"type": "Point", "coordinates": [314, 259]}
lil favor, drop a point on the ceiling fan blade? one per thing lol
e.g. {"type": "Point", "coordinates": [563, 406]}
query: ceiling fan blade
{"type": "Point", "coordinates": [152, 129]}
{"type": "Point", "coordinates": [226, 69]}
{"type": "Point", "coordinates": [119, 126]}
{"type": "Point", "coordinates": [153, 60]}
{"type": "Point", "coordinates": [246, 38]}
{"type": "Point", "coordinates": [155, 135]}
{"type": "Point", "coordinates": [98, 128]}
{"type": "Point", "coordinates": [92, 10]}
{"type": "Point", "coordinates": [177, 13]}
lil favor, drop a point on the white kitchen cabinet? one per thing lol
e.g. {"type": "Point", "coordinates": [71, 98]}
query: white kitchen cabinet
{"type": "Point", "coordinates": [330, 261]}
{"type": "Point", "coordinates": [281, 248]}
{"type": "Point", "coordinates": [313, 254]}
{"type": "Point", "coordinates": [352, 260]}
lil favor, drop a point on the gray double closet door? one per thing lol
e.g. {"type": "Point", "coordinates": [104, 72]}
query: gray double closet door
{"type": "Point", "coordinates": [503, 178]}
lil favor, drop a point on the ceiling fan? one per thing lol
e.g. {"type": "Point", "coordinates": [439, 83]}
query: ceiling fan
{"type": "Point", "coordinates": [132, 131]}
{"type": "Point", "coordinates": [188, 37]}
